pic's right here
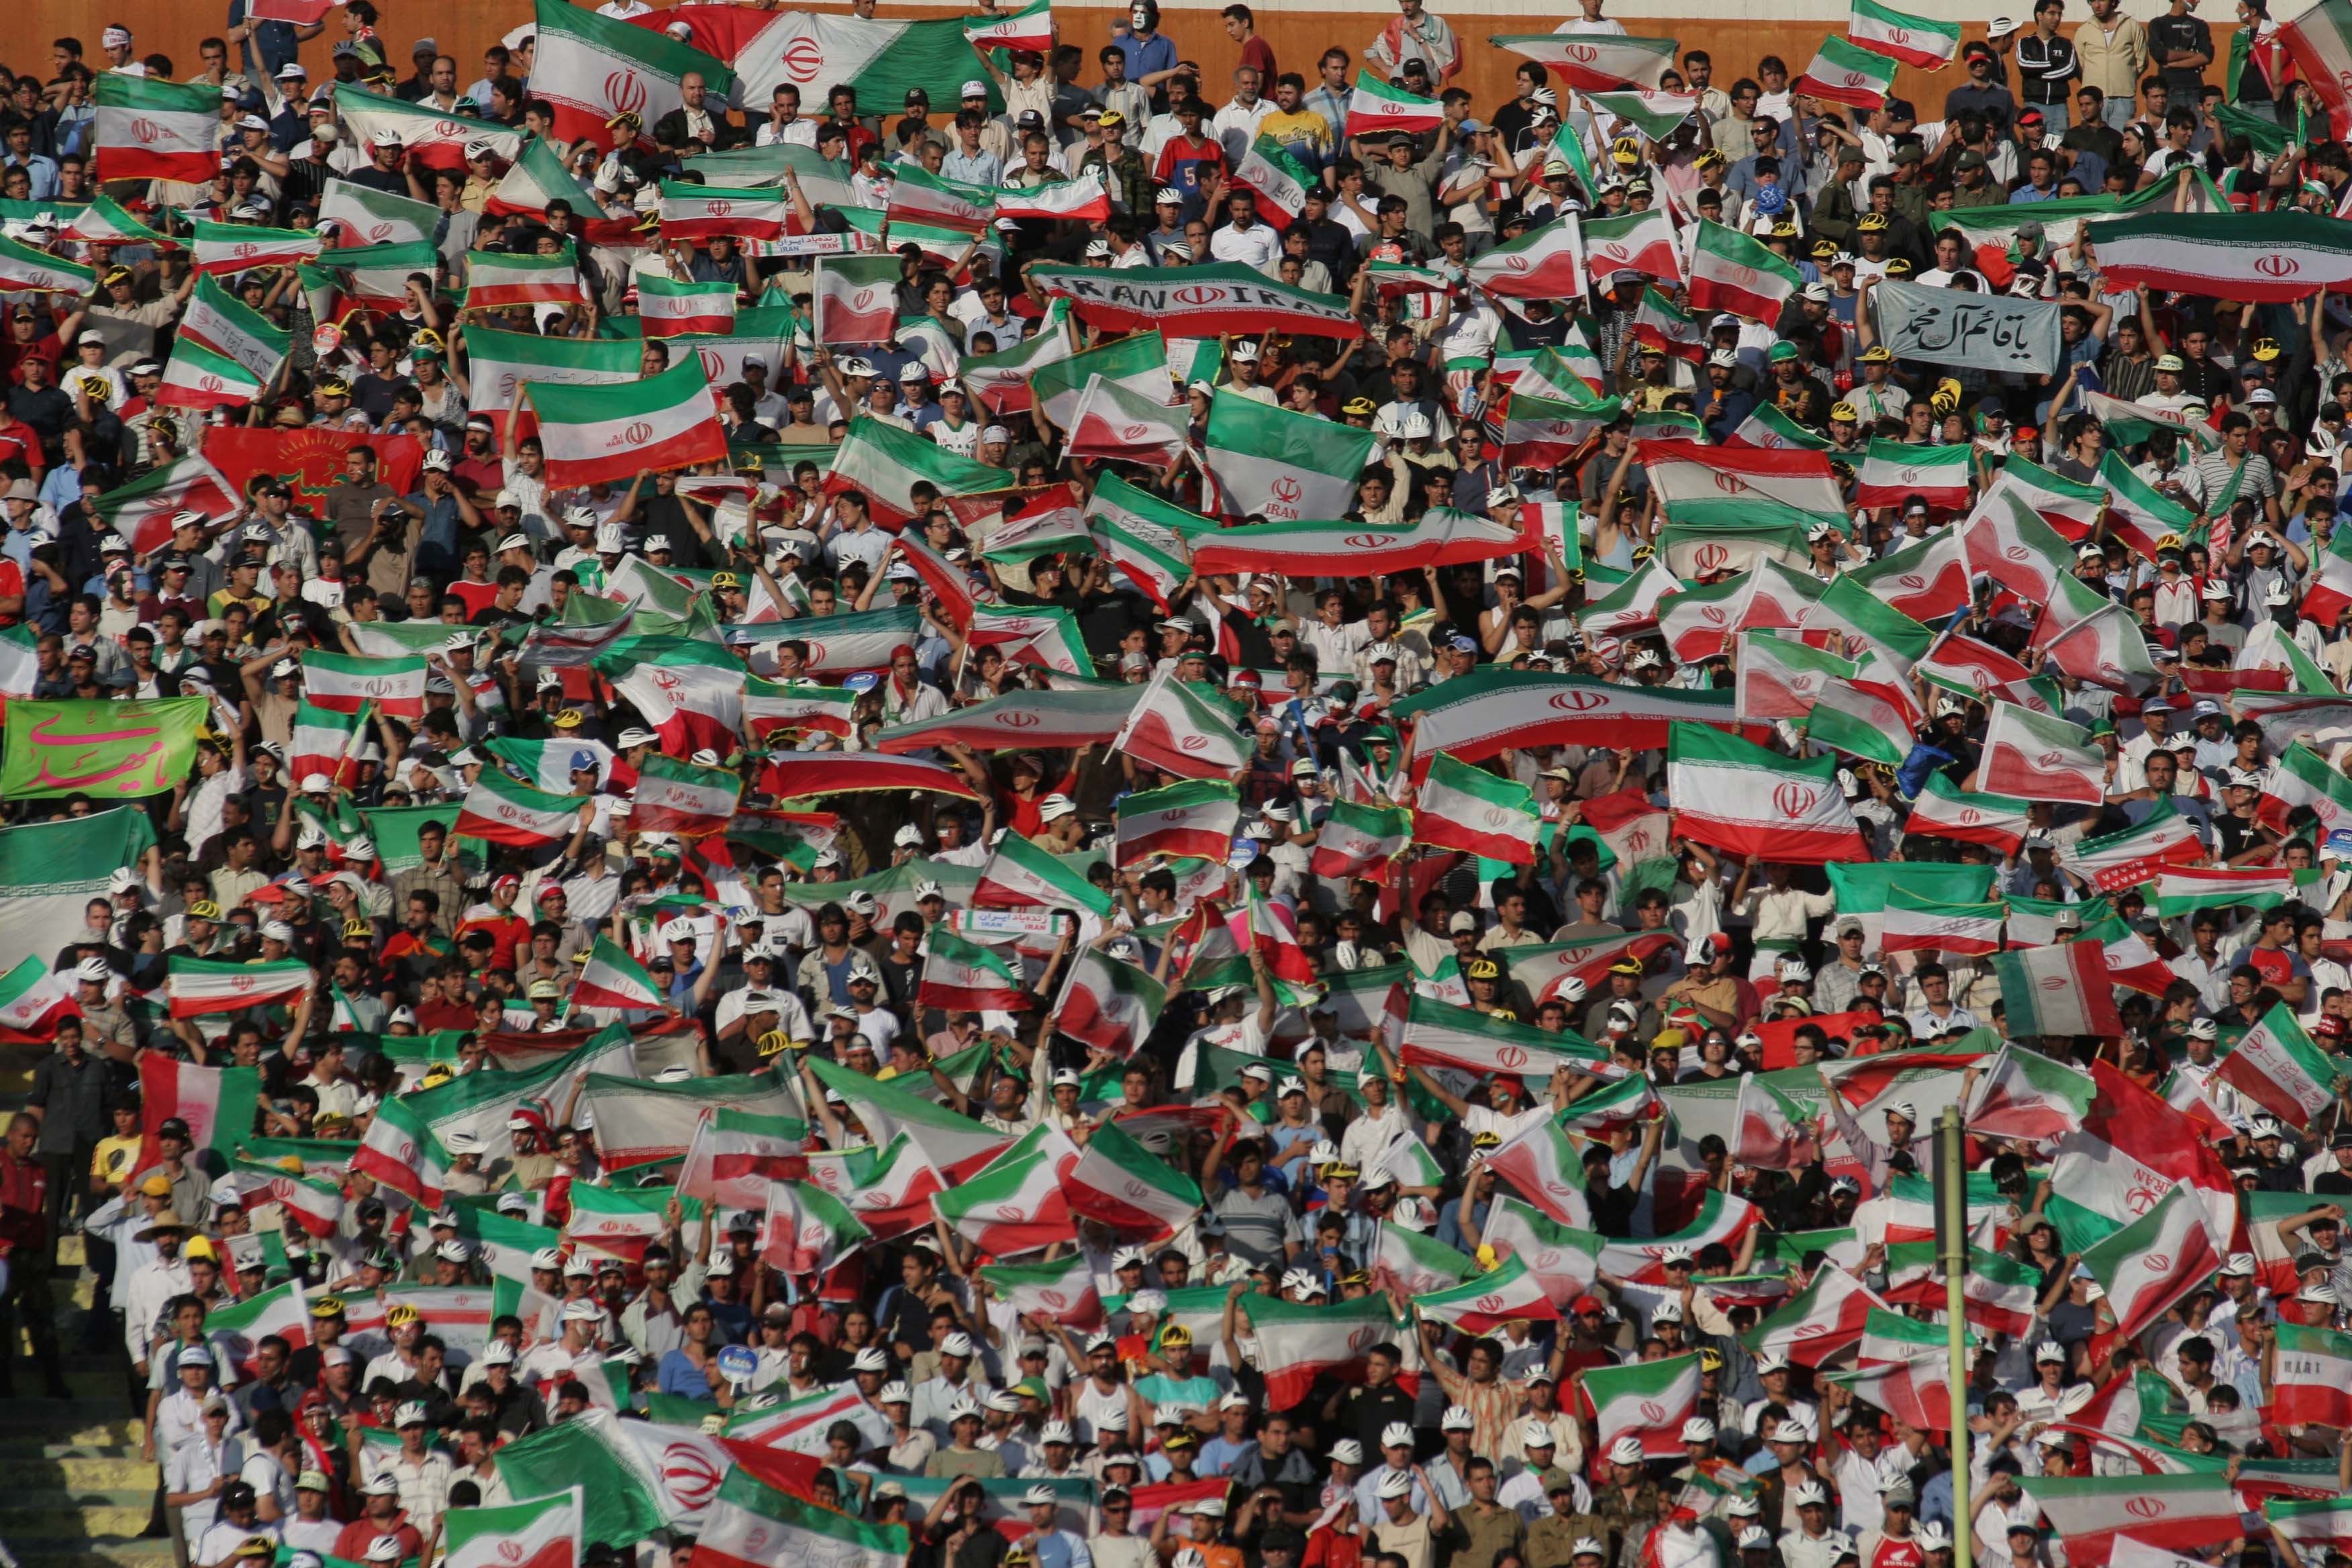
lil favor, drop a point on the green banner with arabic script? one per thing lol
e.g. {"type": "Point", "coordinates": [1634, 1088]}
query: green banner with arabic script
{"type": "Point", "coordinates": [114, 751]}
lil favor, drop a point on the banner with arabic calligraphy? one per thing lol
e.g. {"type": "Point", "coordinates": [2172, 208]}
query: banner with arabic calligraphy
{"type": "Point", "coordinates": [113, 750]}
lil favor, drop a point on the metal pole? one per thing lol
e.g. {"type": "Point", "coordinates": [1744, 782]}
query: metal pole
{"type": "Point", "coordinates": [1953, 1199]}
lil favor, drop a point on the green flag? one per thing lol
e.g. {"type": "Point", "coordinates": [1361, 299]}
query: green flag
{"type": "Point", "coordinates": [113, 750]}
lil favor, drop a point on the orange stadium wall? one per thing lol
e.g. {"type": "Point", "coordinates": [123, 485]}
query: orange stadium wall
{"type": "Point", "coordinates": [1298, 35]}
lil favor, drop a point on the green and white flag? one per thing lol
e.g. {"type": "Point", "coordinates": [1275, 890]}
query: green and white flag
{"type": "Point", "coordinates": [148, 129]}
{"type": "Point", "coordinates": [1467, 809]}
{"type": "Point", "coordinates": [1919, 41]}
{"type": "Point", "coordinates": [197, 377]}
{"type": "Point", "coordinates": [1109, 1003]}
{"type": "Point", "coordinates": [1729, 272]}
{"type": "Point", "coordinates": [1735, 795]}
{"type": "Point", "coordinates": [593, 434]}
{"type": "Point", "coordinates": [1138, 362]}
{"type": "Point", "coordinates": [2024, 1094]}
{"type": "Point", "coordinates": [1022, 874]}
{"type": "Point", "coordinates": [1120, 1184]}
{"type": "Point", "coordinates": [369, 216]}
{"type": "Point", "coordinates": [1841, 73]}
{"type": "Point", "coordinates": [2061, 989]}
{"type": "Point", "coordinates": [543, 1533]}
{"type": "Point", "coordinates": [1648, 1401]}
{"type": "Point", "coordinates": [2277, 1067]}
{"type": "Point", "coordinates": [219, 320]}
{"type": "Point", "coordinates": [1278, 181]}
{"type": "Point", "coordinates": [1276, 466]}
{"type": "Point", "coordinates": [883, 463]}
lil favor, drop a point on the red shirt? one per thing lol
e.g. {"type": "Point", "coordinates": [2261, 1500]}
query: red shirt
{"type": "Point", "coordinates": [477, 596]}
{"type": "Point", "coordinates": [352, 1544]}
{"type": "Point", "coordinates": [435, 1017]}
{"type": "Point", "coordinates": [507, 933]}
{"type": "Point", "coordinates": [24, 1193]}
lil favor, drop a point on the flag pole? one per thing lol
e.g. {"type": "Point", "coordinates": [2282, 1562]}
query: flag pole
{"type": "Point", "coordinates": [1952, 1228]}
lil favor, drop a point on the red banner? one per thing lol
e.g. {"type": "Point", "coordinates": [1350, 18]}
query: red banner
{"type": "Point", "coordinates": [309, 460]}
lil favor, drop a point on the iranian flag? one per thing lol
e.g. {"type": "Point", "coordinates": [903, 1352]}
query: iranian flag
{"type": "Point", "coordinates": [1876, 719]}
{"type": "Point", "coordinates": [430, 138]}
{"type": "Point", "coordinates": [2059, 989]}
{"type": "Point", "coordinates": [1120, 1184]}
{"type": "Point", "coordinates": [604, 432]}
{"type": "Point", "coordinates": [1281, 465]}
{"type": "Point", "coordinates": [1063, 1291]}
{"type": "Point", "coordinates": [1540, 433]}
{"type": "Point", "coordinates": [496, 280]}
{"type": "Point", "coordinates": [32, 1000]}
{"type": "Point", "coordinates": [956, 1146]}
{"type": "Point", "coordinates": [1915, 1391]}
{"type": "Point", "coordinates": [1441, 536]}
{"type": "Point", "coordinates": [2155, 1260]}
{"type": "Point", "coordinates": [1543, 1168]}
{"type": "Point", "coordinates": [501, 810]}
{"type": "Point", "coordinates": [1770, 1131]}
{"type": "Point", "coordinates": [968, 977]}
{"type": "Point", "coordinates": [2317, 1526]}
{"type": "Point", "coordinates": [591, 68]}
{"type": "Point", "coordinates": [770, 708]}
{"type": "Point", "coordinates": [217, 1103]}
{"type": "Point", "coordinates": [235, 1332]}
{"type": "Point", "coordinates": [344, 683]}
{"type": "Point", "coordinates": [2177, 1512]}
{"type": "Point", "coordinates": [1000, 381]}
{"type": "Point", "coordinates": [1914, 923]}
{"type": "Point", "coordinates": [2320, 43]}
{"type": "Point", "coordinates": [361, 214]}
{"type": "Point", "coordinates": [2133, 856]}
{"type": "Point", "coordinates": [1085, 197]}
{"type": "Point", "coordinates": [856, 299]}
{"type": "Point", "coordinates": [885, 463]}
{"type": "Point", "coordinates": [2312, 1378]}
{"type": "Point", "coordinates": [734, 1155]}
{"type": "Point", "coordinates": [690, 691]}
{"type": "Point", "coordinates": [197, 987]}
{"type": "Point", "coordinates": [751, 1524]}
{"type": "Point", "coordinates": [2024, 1094]}
{"type": "Point", "coordinates": [681, 798]}
{"type": "Point", "coordinates": [1842, 73]}
{"type": "Point", "coordinates": [666, 307]}
{"type": "Point", "coordinates": [1030, 27]}
{"type": "Point", "coordinates": [1017, 1203]}
{"type": "Point", "coordinates": [224, 247]}
{"type": "Point", "coordinates": [813, 773]}
{"type": "Point", "coordinates": [1911, 40]}
{"type": "Point", "coordinates": [1824, 1318]}
{"type": "Point", "coordinates": [1467, 809]}
{"type": "Point", "coordinates": [2277, 1067]}
{"type": "Point", "coordinates": [218, 320]}
{"type": "Point", "coordinates": [1109, 1003]}
{"type": "Point", "coordinates": [1191, 734]}
{"type": "Point", "coordinates": [25, 270]}
{"type": "Point", "coordinates": [1684, 471]}
{"type": "Point", "coordinates": [1545, 263]}
{"type": "Point", "coordinates": [1648, 1400]}
{"type": "Point", "coordinates": [1375, 107]}
{"type": "Point", "coordinates": [1196, 819]}
{"type": "Point", "coordinates": [1279, 182]}
{"type": "Point", "coordinates": [1361, 840]}
{"type": "Point", "coordinates": [314, 1202]}
{"type": "Point", "coordinates": [889, 1189]}
{"type": "Point", "coordinates": [152, 130]}
{"type": "Point", "coordinates": [2301, 776]}
{"type": "Point", "coordinates": [196, 377]}
{"type": "Point", "coordinates": [2185, 889]}
{"type": "Point", "coordinates": [1730, 271]}
{"type": "Point", "coordinates": [1114, 422]}
{"type": "Point", "coordinates": [700, 212]}
{"type": "Point", "coordinates": [1141, 556]}
{"type": "Point", "coordinates": [1767, 428]}
{"type": "Point", "coordinates": [2330, 594]}
{"type": "Point", "coordinates": [1439, 1033]}
{"type": "Point", "coordinates": [1023, 874]}
{"type": "Point", "coordinates": [543, 1533]}
{"type": "Point", "coordinates": [1926, 581]}
{"type": "Point", "coordinates": [1590, 62]}
{"type": "Point", "coordinates": [1485, 1302]}
{"type": "Point", "coordinates": [1299, 1343]}
{"type": "Point", "coordinates": [806, 1230]}
{"type": "Point", "coordinates": [1564, 1257]}
{"type": "Point", "coordinates": [2038, 756]}
{"type": "Point", "coordinates": [499, 363]}
{"type": "Point", "coordinates": [1733, 796]}
{"type": "Point", "coordinates": [1895, 471]}
{"type": "Point", "coordinates": [1781, 677]}
{"type": "Point", "coordinates": [2267, 257]}
{"type": "Point", "coordinates": [611, 978]}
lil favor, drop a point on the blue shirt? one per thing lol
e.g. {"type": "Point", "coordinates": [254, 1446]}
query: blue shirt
{"type": "Point", "coordinates": [683, 1378]}
{"type": "Point", "coordinates": [39, 171]}
{"type": "Point", "coordinates": [1146, 55]}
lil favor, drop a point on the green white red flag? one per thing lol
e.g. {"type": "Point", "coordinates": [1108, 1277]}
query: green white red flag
{"type": "Point", "coordinates": [1019, 1202]}
{"type": "Point", "coordinates": [856, 299]}
{"type": "Point", "coordinates": [498, 280]}
{"type": "Point", "coordinates": [1023, 874]}
{"type": "Point", "coordinates": [1913, 40]}
{"type": "Point", "coordinates": [1196, 819]}
{"type": "Point", "coordinates": [148, 129]}
{"type": "Point", "coordinates": [2059, 989]}
{"type": "Point", "coordinates": [806, 1230]}
{"type": "Point", "coordinates": [1108, 1003]}
{"type": "Point", "coordinates": [969, 978]}
{"type": "Point", "coordinates": [545, 1533]}
{"type": "Point", "coordinates": [700, 212]}
{"type": "Point", "coordinates": [1063, 1291]}
{"type": "Point", "coordinates": [682, 798]}
{"type": "Point", "coordinates": [1915, 1391]}
{"type": "Point", "coordinates": [1545, 263]}
{"type": "Point", "coordinates": [611, 978]}
{"type": "Point", "coordinates": [2312, 1377]}
{"type": "Point", "coordinates": [1894, 471]}
{"type": "Point", "coordinates": [2038, 756]}
{"type": "Point", "coordinates": [196, 987]}
{"type": "Point", "coordinates": [1286, 467]}
{"type": "Point", "coordinates": [734, 1157]}
{"type": "Point", "coordinates": [1113, 422]}
{"type": "Point", "coordinates": [429, 137]}
{"type": "Point", "coordinates": [343, 683]}
{"type": "Point", "coordinates": [1080, 199]}
{"type": "Point", "coordinates": [1824, 1318]}
{"type": "Point", "coordinates": [500, 810]}
{"type": "Point", "coordinates": [1485, 1302]}
{"type": "Point", "coordinates": [2267, 257]}
{"type": "Point", "coordinates": [884, 464]}
{"type": "Point", "coordinates": [1361, 840]}
{"type": "Point", "coordinates": [605, 433]}
{"type": "Point", "coordinates": [1914, 923]}
{"type": "Point", "coordinates": [234, 1331]}
{"type": "Point", "coordinates": [1647, 1400]}
{"type": "Point", "coordinates": [32, 1000]}
{"type": "Point", "coordinates": [689, 691]}
{"type": "Point", "coordinates": [668, 307]}
{"type": "Point", "coordinates": [751, 1524]}
{"type": "Point", "coordinates": [1590, 62]}
{"type": "Point", "coordinates": [217, 1103]}
{"type": "Point", "coordinates": [1377, 108]}
{"type": "Point", "coordinates": [196, 377]}
{"type": "Point", "coordinates": [1730, 271]}
{"type": "Point", "coordinates": [2155, 1260]}
{"type": "Point", "coordinates": [1120, 1184]}
{"type": "Point", "coordinates": [956, 1146]}
{"type": "Point", "coordinates": [1300, 1343]}
{"type": "Point", "coordinates": [1733, 796]}
{"type": "Point", "coordinates": [2024, 1094]}
{"type": "Point", "coordinates": [1563, 1258]}
{"type": "Point", "coordinates": [1190, 732]}
{"type": "Point", "coordinates": [2316, 1526]}
{"type": "Point", "coordinates": [2275, 1065]}
{"type": "Point", "coordinates": [1543, 1167]}
{"type": "Point", "coordinates": [2184, 1513]}
{"type": "Point", "coordinates": [590, 67]}
{"type": "Point", "coordinates": [1842, 73]}
{"type": "Point", "coordinates": [1463, 807]}
{"type": "Point", "coordinates": [314, 1202]}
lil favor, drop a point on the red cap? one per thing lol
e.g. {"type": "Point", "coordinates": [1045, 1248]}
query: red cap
{"type": "Point", "coordinates": [1586, 1304]}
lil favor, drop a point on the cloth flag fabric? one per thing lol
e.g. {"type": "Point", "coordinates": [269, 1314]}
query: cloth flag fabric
{"type": "Point", "coordinates": [967, 976]}
{"type": "Point", "coordinates": [1918, 41]}
{"type": "Point", "coordinates": [668, 307]}
{"type": "Point", "coordinates": [2312, 1377]}
{"type": "Point", "coordinates": [1591, 62]}
{"type": "Point", "coordinates": [1730, 271]}
{"type": "Point", "coordinates": [1545, 263]}
{"type": "Point", "coordinates": [1190, 732]}
{"type": "Point", "coordinates": [2037, 756]}
{"type": "Point", "coordinates": [545, 1533]}
{"type": "Point", "coordinates": [2154, 1261]}
{"type": "Point", "coordinates": [498, 280]}
{"type": "Point", "coordinates": [682, 798]}
{"type": "Point", "coordinates": [593, 434]}
{"type": "Point", "coordinates": [1376, 108]}
{"type": "Point", "coordinates": [1196, 819]}
{"type": "Point", "coordinates": [611, 978]}
{"type": "Point", "coordinates": [197, 987]}
{"type": "Point", "coordinates": [343, 683]}
{"type": "Point", "coordinates": [1648, 1400]}
{"type": "Point", "coordinates": [590, 67]}
{"type": "Point", "coordinates": [1109, 1003]}
{"type": "Point", "coordinates": [2059, 989]}
{"type": "Point", "coordinates": [1843, 72]}
{"type": "Point", "coordinates": [32, 1000]}
{"type": "Point", "coordinates": [1119, 1184]}
{"type": "Point", "coordinates": [147, 129]}
{"type": "Point", "coordinates": [2178, 1512]}
{"type": "Point", "coordinates": [1361, 840]}
{"type": "Point", "coordinates": [1467, 809]}
{"type": "Point", "coordinates": [2024, 1094]}
{"type": "Point", "coordinates": [2276, 1065]}
{"type": "Point", "coordinates": [1731, 795]}
{"type": "Point", "coordinates": [1063, 1291]}
{"type": "Point", "coordinates": [855, 298]}
{"type": "Point", "coordinates": [501, 810]}
{"type": "Point", "coordinates": [1279, 465]}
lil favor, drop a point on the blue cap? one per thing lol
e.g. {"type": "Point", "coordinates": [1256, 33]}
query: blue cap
{"type": "Point", "coordinates": [583, 760]}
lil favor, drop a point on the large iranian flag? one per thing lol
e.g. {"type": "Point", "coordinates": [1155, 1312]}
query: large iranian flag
{"type": "Point", "coordinates": [1485, 1302]}
{"type": "Point", "coordinates": [502, 810]}
{"type": "Point", "coordinates": [542, 1533]}
{"type": "Point", "coordinates": [1299, 1343]}
{"type": "Point", "coordinates": [1191, 734]}
{"type": "Point", "coordinates": [812, 50]}
{"type": "Point", "coordinates": [1192, 820]}
{"type": "Point", "coordinates": [343, 683]}
{"type": "Point", "coordinates": [1120, 1184]}
{"type": "Point", "coordinates": [152, 129]}
{"type": "Point", "coordinates": [1913, 40]}
{"type": "Point", "coordinates": [966, 976]}
{"type": "Point", "coordinates": [2038, 756]}
{"type": "Point", "coordinates": [593, 434]}
{"type": "Point", "coordinates": [2155, 1260]}
{"type": "Point", "coordinates": [883, 463]}
{"type": "Point", "coordinates": [2178, 1512]}
{"type": "Point", "coordinates": [750, 1524]}
{"type": "Point", "coordinates": [2059, 989]}
{"type": "Point", "coordinates": [2268, 257]}
{"type": "Point", "coordinates": [1842, 73]}
{"type": "Point", "coordinates": [430, 138]}
{"type": "Point", "coordinates": [1063, 1291]}
{"type": "Point", "coordinates": [590, 67]}
{"type": "Point", "coordinates": [855, 298]}
{"type": "Point", "coordinates": [498, 279]}
{"type": "Point", "coordinates": [1479, 813]}
{"type": "Point", "coordinates": [1648, 1400]}
{"type": "Point", "coordinates": [1085, 197]}
{"type": "Point", "coordinates": [217, 1103]}
{"type": "Point", "coordinates": [1545, 263]}
{"type": "Point", "coordinates": [1361, 840]}
{"type": "Point", "coordinates": [200, 986]}
{"type": "Point", "coordinates": [2024, 1094]}
{"type": "Point", "coordinates": [1730, 271]}
{"type": "Point", "coordinates": [1895, 471]}
{"type": "Point", "coordinates": [611, 978]}
{"type": "Point", "coordinates": [1733, 796]}
{"type": "Point", "coordinates": [2312, 1378]}
{"type": "Point", "coordinates": [1281, 466]}
{"type": "Point", "coordinates": [690, 691]}
{"type": "Point", "coordinates": [196, 377]}
{"type": "Point", "coordinates": [702, 212]}
{"type": "Point", "coordinates": [1591, 62]}
{"type": "Point", "coordinates": [1686, 471]}
{"type": "Point", "coordinates": [683, 798]}
{"type": "Point", "coordinates": [2275, 1065]}
{"type": "Point", "coordinates": [2321, 1525]}
{"type": "Point", "coordinates": [641, 1122]}
{"type": "Point", "coordinates": [1109, 1003]}
{"type": "Point", "coordinates": [1000, 381]}
{"type": "Point", "coordinates": [668, 307]}
{"type": "Point", "coordinates": [1017, 1203]}
{"type": "Point", "coordinates": [499, 363]}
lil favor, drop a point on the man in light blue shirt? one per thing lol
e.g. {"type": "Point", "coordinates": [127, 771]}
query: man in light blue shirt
{"type": "Point", "coordinates": [39, 171]}
{"type": "Point", "coordinates": [969, 161]}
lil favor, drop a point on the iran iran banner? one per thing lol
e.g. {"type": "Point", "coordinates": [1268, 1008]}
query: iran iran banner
{"type": "Point", "coordinates": [1299, 1342]}
{"type": "Point", "coordinates": [196, 987]}
{"type": "Point", "coordinates": [856, 299]}
{"type": "Point", "coordinates": [593, 434]}
{"type": "Point", "coordinates": [2180, 1513]}
{"type": "Point", "coordinates": [1729, 272]}
{"type": "Point", "coordinates": [1912, 40]}
{"type": "Point", "coordinates": [1648, 1401]}
{"type": "Point", "coordinates": [1731, 795]}
{"type": "Point", "coordinates": [1594, 63]}
{"type": "Point", "coordinates": [343, 683]}
{"type": "Point", "coordinates": [1485, 1302]}
{"type": "Point", "coordinates": [1063, 1291]}
{"type": "Point", "coordinates": [151, 129]}
{"type": "Point", "coordinates": [2312, 1378]}
{"type": "Point", "coordinates": [2275, 1065]}
{"type": "Point", "coordinates": [590, 67]}
{"type": "Point", "coordinates": [1192, 820]}
{"type": "Point", "coordinates": [1282, 465]}
{"type": "Point", "coordinates": [750, 1524]}
{"type": "Point", "coordinates": [542, 1533]}
{"type": "Point", "coordinates": [1463, 807]}
{"type": "Point", "coordinates": [1544, 263]}
{"type": "Point", "coordinates": [666, 307]}
{"type": "Point", "coordinates": [501, 810]}
{"type": "Point", "coordinates": [2038, 756]}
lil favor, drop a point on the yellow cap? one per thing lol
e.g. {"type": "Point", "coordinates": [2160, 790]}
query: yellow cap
{"type": "Point", "coordinates": [156, 1186]}
{"type": "Point", "coordinates": [198, 1246]}
{"type": "Point", "coordinates": [1845, 411]}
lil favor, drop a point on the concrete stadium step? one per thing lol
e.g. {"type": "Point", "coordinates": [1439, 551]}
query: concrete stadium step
{"type": "Point", "coordinates": [86, 1470]}
{"type": "Point", "coordinates": [83, 1552]}
{"type": "Point", "coordinates": [69, 1517]}
{"type": "Point", "coordinates": [37, 1427]}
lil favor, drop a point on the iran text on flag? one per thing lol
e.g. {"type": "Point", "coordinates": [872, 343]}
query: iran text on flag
{"type": "Point", "coordinates": [235, 1330]}
{"type": "Point", "coordinates": [704, 212]}
{"type": "Point", "coordinates": [542, 1533]}
{"type": "Point", "coordinates": [32, 1000]}
{"type": "Point", "coordinates": [1196, 819]}
{"type": "Point", "coordinates": [1464, 807]}
{"type": "Point", "coordinates": [681, 798]}
{"type": "Point", "coordinates": [2037, 756]}
{"type": "Point", "coordinates": [2312, 1378]}
{"type": "Point", "coordinates": [1895, 471]}
{"type": "Point", "coordinates": [856, 299]}
{"type": "Point", "coordinates": [340, 683]}
{"type": "Point", "coordinates": [2154, 1261]}
{"type": "Point", "coordinates": [2180, 1513]}
{"type": "Point", "coordinates": [591, 68]}
{"type": "Point", "coordinates": [592, 433]}
{"type": "Point", "coordinates": [1109, 1003]}
{"type": "Point", "coordinates": [501, 810]}
{"type": "Point", "coordinates": [883, 463]}
{"type": "Point", "coordinates": [1857, 78]}
{"type": "Point", "coordinates": [2275, 1065]}
{"type": "Point", "coordinates": [151, 129]}
{"type": "Point", "coordinates": [1912, 40]}
{"type": "Point", "coordinates": [1595, 63]}
{"type": "Point", "coordinates": [969, 978]}
{"type": "Point", "coordinates": [1115, 422]}
{"type": "Point", "coordinates": [2024, 1094]}
{"type": "Point", "coordinates": [1483, 1302]}
{"type": "Point", "coordinates": [1190, 733]}
{"type": "Point", "coordinates": [196, 377]}
{"type": "Point", "coordinates": [1063, 1291]}
{"type": "Point", "coordinates": [217, 1103]}
{"type": "Point", "coordinates": [200, 986]}
{"type": "Point", "coordinates": [1018, 1203]}
{"type": "Point", "coordinates": [218, 320]}
{"type": "Point", "coordinates": [1730, 271]}
{"type": "Point", "coordinates": [806, 1230]}
{"type": "Point", "coordinates": [1120, 1184]}
{"type": "Point", "coordinates": [1684, 471]}
{"type": "Point", "coordinates": [1361, 840]}
{"type": "Point", "coordinates": [690, 691]}
{"type": "Point", "coordinates": [1539, 264]}
{"type": "Point", "coordinates": [611, 978]}
{"type": "Point", "coordinates": [1299, 1344]}
{"type": "Point", "coordinates": [1731, 795]}
{"type": "Point", "coordinates": [1279, 182]}
{"type": "Point", "coordinates": [735, 1154]}
{"type": "Point", "coordinates": [1376, 108]}
{"type": "Point", "coordinates": [1648, 1401]}
{"type": "Point", "coordinates": [667, 308]}
{"type": "Point", "coordinates": [1281, 466]}
{"type": "Point", "coordinates": [2059, 989]}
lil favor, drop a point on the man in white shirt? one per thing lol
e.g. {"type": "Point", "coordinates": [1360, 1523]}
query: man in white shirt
{"type": "Point", "coordinates": [785, 126]}
{"type": "Point", "coordinates": [1245, 240]}
{"type": "Point", "coordinates": [1240, 116]}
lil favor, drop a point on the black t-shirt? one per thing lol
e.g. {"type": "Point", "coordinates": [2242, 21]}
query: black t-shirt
{"type": "Point", "coordinates": [2166, 34]}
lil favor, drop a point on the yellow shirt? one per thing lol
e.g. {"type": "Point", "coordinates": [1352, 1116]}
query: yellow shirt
{"type": "Point", "coordinates": [111, 1160]}
{"type": "Point", "coordinates": [1302, 126]}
